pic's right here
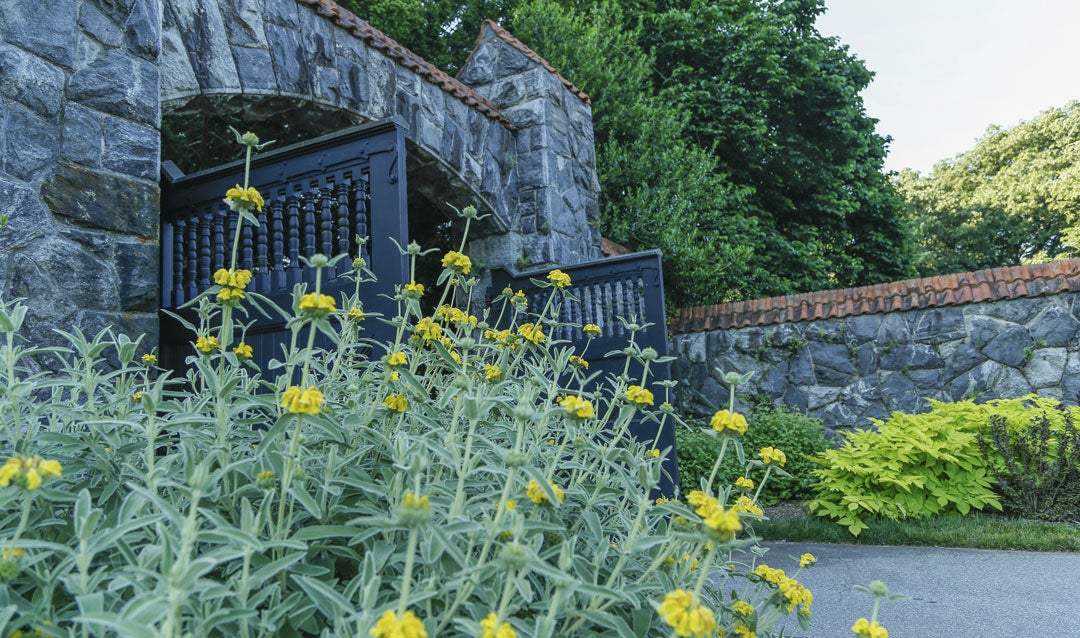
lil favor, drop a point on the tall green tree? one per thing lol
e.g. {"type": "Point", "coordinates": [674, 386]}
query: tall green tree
{"type": "Point", "coordinates": [1013, 198]}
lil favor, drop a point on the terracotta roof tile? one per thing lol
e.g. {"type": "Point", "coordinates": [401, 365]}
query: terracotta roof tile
{"type": "Point", "coordinates": [945, 290]}
{"type": "Point", "coordinates": [380, 41]}
{"type": "Point", "coordinates": [508, 38]}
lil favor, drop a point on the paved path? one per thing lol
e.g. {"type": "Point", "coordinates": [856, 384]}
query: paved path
{"type": "Point", "coordinates": [955, 593]}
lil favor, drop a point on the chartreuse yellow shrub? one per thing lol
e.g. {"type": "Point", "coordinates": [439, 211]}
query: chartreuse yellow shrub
{"type": "Point", "coordinates": [456, 481]}
{"type": "Point", "coordinates": [920, 464]}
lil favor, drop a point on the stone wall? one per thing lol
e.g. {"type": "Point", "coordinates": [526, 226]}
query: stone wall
{"type": "Point", "coordinates": [79, 133]}
{"type": "Point", "coordinates": [845, 367]}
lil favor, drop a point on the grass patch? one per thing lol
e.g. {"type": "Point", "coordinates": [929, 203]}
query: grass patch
{"type": "Point", "coordinates": [972, 531]}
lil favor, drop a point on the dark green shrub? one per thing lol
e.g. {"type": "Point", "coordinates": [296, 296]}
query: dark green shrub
{"type": "Point", "coordinates": [798, 435]}
{"type": "Point", "coordinates": [1037, 467]}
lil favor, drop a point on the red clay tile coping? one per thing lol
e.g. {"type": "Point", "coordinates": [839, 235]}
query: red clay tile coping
{"type": "Point", "coordinates": [993, 284]}
{"type": "Point", "coordinates": [378, 40]}
{"type": "Point", "coordinates": [508, 38]}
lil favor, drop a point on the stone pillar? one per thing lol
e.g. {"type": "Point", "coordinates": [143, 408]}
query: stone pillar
{"type": "Point", "coordinates": [79, 161]}
{"type": "Point", "coordinates": [556, 220]}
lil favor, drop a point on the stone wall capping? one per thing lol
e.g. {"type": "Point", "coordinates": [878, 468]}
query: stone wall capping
{"type": "Point", "coordinates": [508, 38]}
{"type": "Point", "coordinates": [944, 290]}
{"type": "Point", "coordinates": [378, 40]}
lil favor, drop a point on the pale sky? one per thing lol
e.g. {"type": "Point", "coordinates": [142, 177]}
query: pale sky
{"type": "Point", "coordinates": [947, 69]}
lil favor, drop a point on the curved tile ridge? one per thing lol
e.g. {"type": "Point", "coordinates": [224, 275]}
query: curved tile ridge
{"type": "Point", "coordinates": [992, 284]}
{"type": "Point", "coordinates": [508, 38]}
{"type": "Point", "coordinates": [378, 40]}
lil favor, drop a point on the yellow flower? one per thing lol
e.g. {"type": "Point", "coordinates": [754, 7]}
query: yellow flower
{"type": "Point", "coordinates": [591, 330]}
{"type": "Point", "coordinates": [773, 455]}
{"type": "Point", "coordinates": [639, 395]}
{"type": "Point", "coordinates": [414, 290]}
{"type": "Point", "coordinates": [725, 420]}
{"type": "Point", "coordinates": [413, 502]}
{"type": "Point", "coordinates": [581, 408]}
{"type": "Point", "coordinates": [492, 372]}
{"type": "Point", "coordinates": [532, 332]}
{"type": "Point", "coordinates": [317, 305]}
{"type": "Point", "coordinates": [511, 504]}
{"type": "Point", "coordinates": [743, 608]}
{"type": "Point", "coordinates": [742, 631]}
{"type": "Point", "coordinates": [744, 483]}
{"type": "Point", "coordinates": [807, 560]}
{"type": "Point", "coordinates": [537, 495]}
{"type": "Point", "coordinates": [396, 402]}
{"type": "Point", "coordinates": [395, 376]}
{"type": "Point", "coordinates": [14, 552]}
{"type": "Point", "coordinates": [206, 345]}
{"type": "Point", "coordinates": [559, 278]}
{"type": "Point", "coordinates": [232, 278]}
{"type": "Point", "coordinates": [137, 396]}
{"type": "Point", "coordinates": [682, 612]}
{"type": "Point", "coordinates": [745, 504]}
{"type": "Point", "coordinates": [149, 359]}
{"type": "Point", "coordinates": [356, 313]}
{"type": "Point", "coordinates": [299, 401]}
{"type": "Point", "coordinates": [457, 262]}
{"type": "Point", "coordinates": [578, 362]}
{"type": "Point", "coordinates": [28, 471]}
{"type": "Point", "coordinates": [504, 630]}
{"type": "Point", "coordinates": [229, 295]}
{"type": "Point", "coordinates": [398, 359]}
{"type": "Point", "coordinates": [265, 479]}
{"type": "Point", "coordinates": [428, 329]}
{"type": "Point", "coordinates": [654, 453]}
{"type": "Point", "coordinates": [660, 500]}
{"type": "Point", "coordinates": [408, 626]}
{"type": "Point", "coordinates": [240, 198]}
{"type": "Point", "coordinates": [864, 627]}
{"type": "Point", "coordinates": [243, 351]}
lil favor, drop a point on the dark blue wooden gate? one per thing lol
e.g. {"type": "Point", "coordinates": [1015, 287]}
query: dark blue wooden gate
{"type": "Point", "coordinates": [625, 286]}
{"type": "Point", "coordinates": [320, 195]}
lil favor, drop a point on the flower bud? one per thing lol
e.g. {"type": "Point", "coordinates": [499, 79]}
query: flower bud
{"type": "Point", "coordinates": [514, 555]}
{"type": "Point", "coordinates": [649, 354]}
{"type": "Point", "coordinates": [516, 459]}
{"type": "Point", "coordinates": [319, 260]}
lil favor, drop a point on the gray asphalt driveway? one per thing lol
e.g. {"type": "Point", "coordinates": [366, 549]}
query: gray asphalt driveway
{"type": "Point", "coordinates": [955, 593]}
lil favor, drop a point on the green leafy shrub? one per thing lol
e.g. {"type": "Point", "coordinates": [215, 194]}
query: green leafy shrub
{"type": "Point", "coordinates": [1037, 468]}
{"type": "Point", "coordinates": [459, 482]}
{"type": "Point", "coordinates": [798, 435]}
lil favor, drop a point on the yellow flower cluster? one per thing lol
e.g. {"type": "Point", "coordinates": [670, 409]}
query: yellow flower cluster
{"type": "Point", "coordinates": [456, 316]}
{"type": "Point", "coordinates": [457, 262]}
{"type": "Point", "coordinates": [243, 351]}
{"type": "Point", "coordinates": [396, 402]}
{"type": "Point", "coordinates": [390, 626]}
{"type": "Point", "coordinates": [724, 420]}
{"type": "Point", "coordinates": [682, 612]}
{"type": "Point", "coordinates": [492, 372]}
{"type": "Point", "coordinates": [206, 345]}
{"type": "Point", "coordinates": [639, 395]}
{"type": "Point", "coordinates": [149, 359]}
{"type": "Point", "coordinates": [578, 362]}
{"type": "Point", "coordinates": [744, 483]}
{"type": "Point", "coordinates": [356, 313]}
{"type": "Point", "coordinates": [722, 523]}
{"type": "Point", "coordinates": [502, 338]}
{"type": "Point", "coordinates": [232, 284]}
{"type": "Point", "coordinates": [317, 305]}
{"type": "Point", "coordinates": [532, 332]}
{"type": "Point", "coordinates": [491, 631]}
{"type": "Point", "coordinates": [413, 502]}
{"type": "Point", "coordinates": [745, 505]}
{"type": "Point", "coordinates": [28, 472]}
{"type": "Point", "coordinates": [773, 455]}
{"type": "Point", "coordinates": [299, 401]}
{"type": "Point", "coordinates": [795, 592]}
{"type": "Point", "coordinates": [559, 278]}
{"type": "Point", "coordinates": [743, 608]}
{"type": "Point", "coordinates": [742, 631]}
{"type": "Point", "coordinates": [653, 453]}
{"type": "Point", "coordinates": [241, 198]}
{"type": "Point", "coordinates": [428, 329]}
{"type": "Point", "coordinates": [537, 495]}
{"type": "Point", "coordinates": [414, 290]}
{"type": "Point", "coordinates": [397, 359]}
{"type": "Point", "coordinates": [864, 627]}
{"type": "Point", "coordinates": [591, 330]}
{"type": "Point", "coordinates": [581, 408]}
{"type": "Point", "coordinates": [807, 560]}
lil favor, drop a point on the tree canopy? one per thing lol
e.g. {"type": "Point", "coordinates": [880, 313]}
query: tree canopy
{"type": "Point", "coordinates": [1013, 198]}
{"type": "Point", "coordinates": [730, 134]}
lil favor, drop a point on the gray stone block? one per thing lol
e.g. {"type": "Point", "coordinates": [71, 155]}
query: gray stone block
{"type": "Point", "coordinates": [244, 22]}
{"type": "Point", "coordinates": [1046, 367]}
{"type": "Point", "coordinates": [255, 69]}
{"type": "Point", "coordinates": [81, 141]}
{"type": "Point", "coordinates": [863, 328]}
{"type": "Point", "coordinates": [975, 383]}
{"type": "Point", "coordinates": [177, 76]}
{"type": "Point", "coordinates": [30, 81]}
{"type": "Point", "coordinates": [28, 220]}
{"type": "Point", "coordinates": [912, 357]}
{"type": "Point", "coordinates": [1010, 384]}
{"type": "Point", "coordinates": [132, 149]}
{"type": "Point", "coordinates": [1020, 311]}
{"type": "Point", "coordinates": [927, 380]}
{"type": "Point", "coordinates": [353, 84]}
{"type": "Point", "coordinates": [292, 70]}
{"type": "Point", "coordinates": [938, 325]}
{"type": "Point", "coordinates": [102, 200]}
{"type": "Point", "coordinates": [100, 26]}
{"type": "Point", "coordinates": [1010, 347]}
{"type": "Point", "coordinates": [142, 30]}
{"type": "Point", "coordinates": [963, 358]}
{"type": "Point", "coordinates": [118, 85]}
{"type": "Point", "coordinates": [1055, 327]}
{"type": "Point", "coordinates": [801, 370]}
{"type": "Point", "coordinates": [137, 267]}
{"type": "Point", "coordinates": [45, 31]}
{"type": "Point", "coordinates": [30, 143]}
